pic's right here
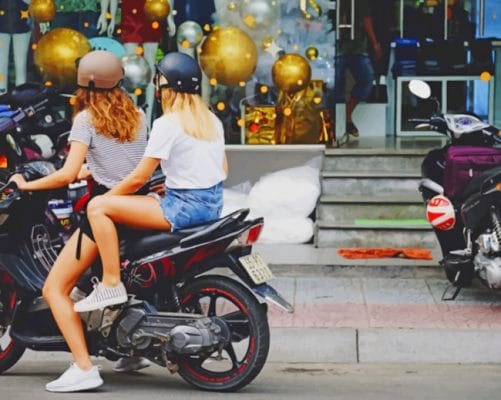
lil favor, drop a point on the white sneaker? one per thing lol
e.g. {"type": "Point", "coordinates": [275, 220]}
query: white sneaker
{"type": "Point", "coordinates": [102, 297]}
{"type": "Point", "coordinates": [130, 364]}
{"type": "Point", "coordinates": [75, 379]}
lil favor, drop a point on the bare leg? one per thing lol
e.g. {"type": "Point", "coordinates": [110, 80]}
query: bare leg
{"type": "Point", "coordinates": [61, 280]}
{"type": "Point", "coordinates": [351, 104]}
{"type": "Point", "coordinates": [143, 212]}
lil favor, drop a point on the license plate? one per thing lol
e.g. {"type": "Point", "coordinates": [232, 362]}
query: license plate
{"type": "Point", "coordinates": [257, 268]}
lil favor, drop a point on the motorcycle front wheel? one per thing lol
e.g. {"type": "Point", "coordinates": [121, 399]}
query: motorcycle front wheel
{"type": "Point", "coordinates": [245, 355]}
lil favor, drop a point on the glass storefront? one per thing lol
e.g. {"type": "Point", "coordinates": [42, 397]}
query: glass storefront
{"type": "Point", "coordinates": [269, 64]}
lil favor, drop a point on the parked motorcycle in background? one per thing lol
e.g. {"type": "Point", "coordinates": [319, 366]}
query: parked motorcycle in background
{"type": "Point", "coordinates": [462, 189]}
{"type": "Point", "coordinates": [31, 127]}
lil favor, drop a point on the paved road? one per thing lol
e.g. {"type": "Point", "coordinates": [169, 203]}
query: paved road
{"type": "Point", "coordinates": [277, 381]}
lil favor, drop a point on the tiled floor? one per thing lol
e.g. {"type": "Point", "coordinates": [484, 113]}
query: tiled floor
{"type": "Point", "coordinates": [383, 303]}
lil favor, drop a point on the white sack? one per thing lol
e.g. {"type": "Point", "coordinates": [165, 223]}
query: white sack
{"type": "Point", "coordinates": [291, 192]}
{"type": "Point", "coordinates": [286, 230]}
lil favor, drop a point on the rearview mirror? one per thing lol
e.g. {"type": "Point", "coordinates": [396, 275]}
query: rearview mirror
{"type": "Point", "coordinates": [420, 89]}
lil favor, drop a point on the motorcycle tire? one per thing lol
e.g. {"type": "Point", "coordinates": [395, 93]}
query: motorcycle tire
{"type": "Point", "coordinates": [11, 352]}
{"type": "Point", "coordinates": [247, 323]}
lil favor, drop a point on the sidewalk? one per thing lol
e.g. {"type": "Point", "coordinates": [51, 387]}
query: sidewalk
{"type": "Point", "coordinates": [384, 319]}
{"type": "Point", "coordinates": [385, 314]}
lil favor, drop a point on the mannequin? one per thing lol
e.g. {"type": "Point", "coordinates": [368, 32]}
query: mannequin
{"type": "Point", "coordinates": [82, 16]}
{"type": "Point", "coordinates": [15, 29]}
{"type": "Point", "coordinates": [138, 31]}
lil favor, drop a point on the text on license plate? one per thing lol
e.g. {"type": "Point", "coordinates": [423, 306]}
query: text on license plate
{"type": "Point", "coordinates": [256, 268]}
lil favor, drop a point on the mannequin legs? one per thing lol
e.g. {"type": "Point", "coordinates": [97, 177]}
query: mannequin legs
{"type": "Point", "coordinates": [21, 45]}
{"type": "Point", "coordinates": [4, 60]}
{"type": "Point", "coordinates": [150, 51]}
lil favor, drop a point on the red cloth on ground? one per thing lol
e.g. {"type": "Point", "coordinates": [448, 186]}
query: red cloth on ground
{"type": "Point", "coordinates": [371, 252]}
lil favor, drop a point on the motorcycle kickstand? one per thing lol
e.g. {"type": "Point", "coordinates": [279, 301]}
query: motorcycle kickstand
{"type": "Point", "coordinates": [173, 368]}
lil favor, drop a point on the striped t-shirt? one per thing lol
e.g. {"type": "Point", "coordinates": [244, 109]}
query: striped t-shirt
{"type": "Point", "coordinates": [108, 160]}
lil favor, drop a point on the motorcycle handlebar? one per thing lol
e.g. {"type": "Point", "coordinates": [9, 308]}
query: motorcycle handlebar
{"type": "Point", "coordinates": [420, 120]}
{"type": "Point", "coordinates": [7, 124]}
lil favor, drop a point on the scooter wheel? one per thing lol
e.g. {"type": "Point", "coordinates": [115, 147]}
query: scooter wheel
{"type": "Point", "coordinates": [245, 355]}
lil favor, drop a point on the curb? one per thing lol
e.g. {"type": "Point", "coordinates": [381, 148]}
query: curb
{"type": "Point", "coordinates": [375, 345]}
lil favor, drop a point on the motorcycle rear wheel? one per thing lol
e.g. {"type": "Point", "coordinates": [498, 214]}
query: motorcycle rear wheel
{"type": "Point", "coordinates": [250, 335]}
{"type": "Point", "coordinates": [10, 350]}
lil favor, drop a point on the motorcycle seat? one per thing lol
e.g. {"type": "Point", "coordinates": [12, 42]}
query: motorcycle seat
{"type": "Point", "coordinates": [138, 244]}
{"type": "Point", "coordinates": [476, 183]}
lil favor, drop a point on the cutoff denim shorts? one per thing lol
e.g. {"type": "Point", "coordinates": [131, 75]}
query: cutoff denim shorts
{"type": "Point", "coordinates": [188, 207]}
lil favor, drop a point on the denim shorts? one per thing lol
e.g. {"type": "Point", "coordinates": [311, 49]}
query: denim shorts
{"type": "Point", "coordinates": [188, 207]}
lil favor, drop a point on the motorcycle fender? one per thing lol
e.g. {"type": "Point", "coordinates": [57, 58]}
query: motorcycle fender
{"type": "Point", "coordinates": [264, 290]}
{"type": "Point", "coordinates": [26, 276]}
{"type": "Point", "coordinates": [269, 294]}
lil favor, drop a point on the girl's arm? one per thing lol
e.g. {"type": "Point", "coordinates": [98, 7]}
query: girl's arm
{"type": "Point", "coordinates": [137, 178]}
{"type": "Point", "coordinates": [61, 177]}
{"type": "Point", "coordinates": [225, 165]}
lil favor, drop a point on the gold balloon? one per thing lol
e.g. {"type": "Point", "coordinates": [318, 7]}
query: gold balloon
{"type": "Point", "coordinates": [229, 56]}
{"type": "Point", "coordinates": [57, 53]}
{"type": "Point", "coordinates": [232, 6]}
{"type": "Point", "coordinates": [156, 10]}
{"type": "Point", "coordinates": [311, 53]}
{"type": "Point", "coordinates": [42, 10]}
{"type": "Point", "coordinates": [291, 73]}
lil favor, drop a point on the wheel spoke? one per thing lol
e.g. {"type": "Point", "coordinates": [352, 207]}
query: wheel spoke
{"type": "Point", "coordinates": [238, 324]}
{"type": "Point", "coordinates": [212, 306]}
{"type": "Point", "coordinates": [233, 356]}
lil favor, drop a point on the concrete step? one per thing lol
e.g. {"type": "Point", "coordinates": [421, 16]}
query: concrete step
{"type": "Point", "coordinates": [375, 183]}
{"type": "Point", "coordinates": [336, 235]}
{"type": "Point", "coordinates": [348, 209]}
{"type": "Point", "coordinates": [373, 159]}
{"type": "Point", "coordinates": [320, 261]}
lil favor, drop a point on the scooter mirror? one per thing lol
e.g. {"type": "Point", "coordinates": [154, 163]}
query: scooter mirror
{"type": "Point", "coordinates": [420, 88]}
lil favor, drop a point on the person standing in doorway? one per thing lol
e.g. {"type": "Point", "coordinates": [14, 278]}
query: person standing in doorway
{"type": "Point", "coordinates": [353, 54]}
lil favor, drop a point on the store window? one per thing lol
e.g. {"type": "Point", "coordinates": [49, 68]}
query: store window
{"type": "Point", "coordinates": [268, 63]}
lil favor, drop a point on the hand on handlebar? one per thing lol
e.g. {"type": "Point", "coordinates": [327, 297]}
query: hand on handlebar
{"type": "Point", "coordinates": [19, 180]}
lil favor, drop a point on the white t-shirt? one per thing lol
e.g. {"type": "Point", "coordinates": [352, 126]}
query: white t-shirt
{"type": "Point", "coordinates": [187, 163]}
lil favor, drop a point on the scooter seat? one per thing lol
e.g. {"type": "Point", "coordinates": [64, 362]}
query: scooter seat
{"type": "Point", "coordinates": [138, 244]}
{"type": "Point", "coordinates": [475, 185]}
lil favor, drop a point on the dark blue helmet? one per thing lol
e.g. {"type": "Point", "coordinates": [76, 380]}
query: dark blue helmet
{"type": "Point", "coordinates": [183, 74]}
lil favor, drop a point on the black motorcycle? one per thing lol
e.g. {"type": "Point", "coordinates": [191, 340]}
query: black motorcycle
{"type": "Point", "coordinates": [472, 246]}
{"type": "Point", "coordinates": [212, 329]}
{"type": "Point", "coordinates": [31, 127]}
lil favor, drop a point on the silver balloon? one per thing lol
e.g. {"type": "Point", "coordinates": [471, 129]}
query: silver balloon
{"type": "Point", "coordinates": [137, 72]}
{"type": "Point", "coordinates": [189, 35]}
{"type": "Point", "coordinates": [259, 14]}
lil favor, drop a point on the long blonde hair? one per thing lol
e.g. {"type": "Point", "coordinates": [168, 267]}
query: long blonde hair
{"type": "Point", "coordinates": [194, 115]}
{"type": "Point", "coordinates": [113, 112]}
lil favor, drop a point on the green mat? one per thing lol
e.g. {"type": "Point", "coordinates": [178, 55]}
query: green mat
{"type": "Point", "coordinates": [392, 222]}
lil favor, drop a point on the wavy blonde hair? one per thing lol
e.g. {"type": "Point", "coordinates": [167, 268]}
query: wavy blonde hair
{"type": "Point", "coordinates": [113, 113]}
{"type": "Point", "coordinates": [194, 115]}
